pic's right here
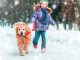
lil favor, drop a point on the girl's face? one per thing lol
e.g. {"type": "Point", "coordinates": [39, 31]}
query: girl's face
{"type": "Point", "coordinates": [44, 4]}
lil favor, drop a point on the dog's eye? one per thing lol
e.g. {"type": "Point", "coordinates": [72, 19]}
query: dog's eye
{"type": "Point", "coordinates": [19, 29]}
{"type": "Point", "coordinates": [23, 29]}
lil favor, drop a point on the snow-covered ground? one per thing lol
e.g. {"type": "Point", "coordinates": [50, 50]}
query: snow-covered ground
{"type": "Point", "coordinates": [61, 45]}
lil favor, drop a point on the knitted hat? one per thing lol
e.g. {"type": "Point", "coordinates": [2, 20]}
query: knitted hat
{"type": "Point", "coordinates": [46, 1]}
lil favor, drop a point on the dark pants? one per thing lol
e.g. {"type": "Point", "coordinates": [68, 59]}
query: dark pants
{"type": "Point", "coordinates": [36, 38]}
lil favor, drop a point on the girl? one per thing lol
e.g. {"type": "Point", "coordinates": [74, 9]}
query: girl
{"type": "Point", "coordinates": [41, 19]}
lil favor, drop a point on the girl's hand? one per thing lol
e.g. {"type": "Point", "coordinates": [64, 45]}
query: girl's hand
{"type": "Point", "coordinates": [32, 26]}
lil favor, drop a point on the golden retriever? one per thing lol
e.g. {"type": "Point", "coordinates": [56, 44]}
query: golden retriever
{"type": "Point", "coordinates": [23, 35]}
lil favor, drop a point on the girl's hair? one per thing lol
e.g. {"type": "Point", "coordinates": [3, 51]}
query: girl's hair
{"type": "Point", "coordinates": [49, 10]}
{"type": "Point", "coordinates": [38, 6]}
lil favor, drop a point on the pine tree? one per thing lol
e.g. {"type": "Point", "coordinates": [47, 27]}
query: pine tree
{"type": "Point", "coordinates": [17, 10]}
{"type": "Point", "coordinates": [68, 12]}
{"type": "Point", "coordinates": [77, 13]}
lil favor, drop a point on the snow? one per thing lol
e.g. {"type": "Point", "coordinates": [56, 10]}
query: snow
{"type": "Point", "coordinates": [61, 45]}
{"type": "Point", "coordinates": [16, 2]}
{"type": "Point", "coordinates": [54, 6]}
{"type": "Point", "coordinates": [77, 15]}
{"type": "Point", "coordinates": [6, 13]}
{"type": "Point", "coordinates": [0, 5]}
{"type": "Point", "coordinates": [65, 3]}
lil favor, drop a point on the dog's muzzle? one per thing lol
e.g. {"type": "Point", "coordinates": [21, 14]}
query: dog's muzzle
{"type": "Point", "coordinates": [21, 33]}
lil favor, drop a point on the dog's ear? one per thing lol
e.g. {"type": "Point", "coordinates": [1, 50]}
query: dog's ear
{"type": "Point", "coordinates": [16, 30]}
{"type": "Point", "coordinates": [17, 26]}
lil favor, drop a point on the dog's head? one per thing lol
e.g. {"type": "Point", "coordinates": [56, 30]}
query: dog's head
{"type": "Point", "coordinates": [21, 28]}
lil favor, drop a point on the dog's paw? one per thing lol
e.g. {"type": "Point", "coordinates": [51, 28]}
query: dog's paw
{"type": "Point", "coordinates": [23, 53]}
{"type": "Point", "coordinates": [27, 52]}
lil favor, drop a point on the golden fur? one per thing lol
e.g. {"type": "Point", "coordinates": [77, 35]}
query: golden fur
{"type": "Point", "coordinates": [23, 41]}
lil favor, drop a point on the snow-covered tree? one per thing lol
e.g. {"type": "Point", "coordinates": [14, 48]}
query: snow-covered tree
{"type": "Point", "coordinates": [68, 12]}
{"type": "Point", "coordinates": [17, 10]}
{"type": "Point", "coordinates": [77, 13]}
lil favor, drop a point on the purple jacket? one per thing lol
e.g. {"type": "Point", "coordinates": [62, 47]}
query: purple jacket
{"type": "Point", "coordinates": [39, 26]}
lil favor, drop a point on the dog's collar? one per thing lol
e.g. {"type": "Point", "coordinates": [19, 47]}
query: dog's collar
{"type": "Point", "coordinates": [27, 33]}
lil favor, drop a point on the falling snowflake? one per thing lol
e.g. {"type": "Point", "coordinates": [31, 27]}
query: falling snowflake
{"type": "Point", "coordinates": [6, 13]}
{"type": "Point", "coordinates": [65, 3]}
{"type": "Point", "coordinates": [54, 6]}
{"type": "Point", "coordinates": [11, 6]}
{"type": "Point", "coordinates": [0, 4]}
{"type": "Point", "coordinates": [16, 2]}
{"type": "Point", "coordinates": [77, 15]}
